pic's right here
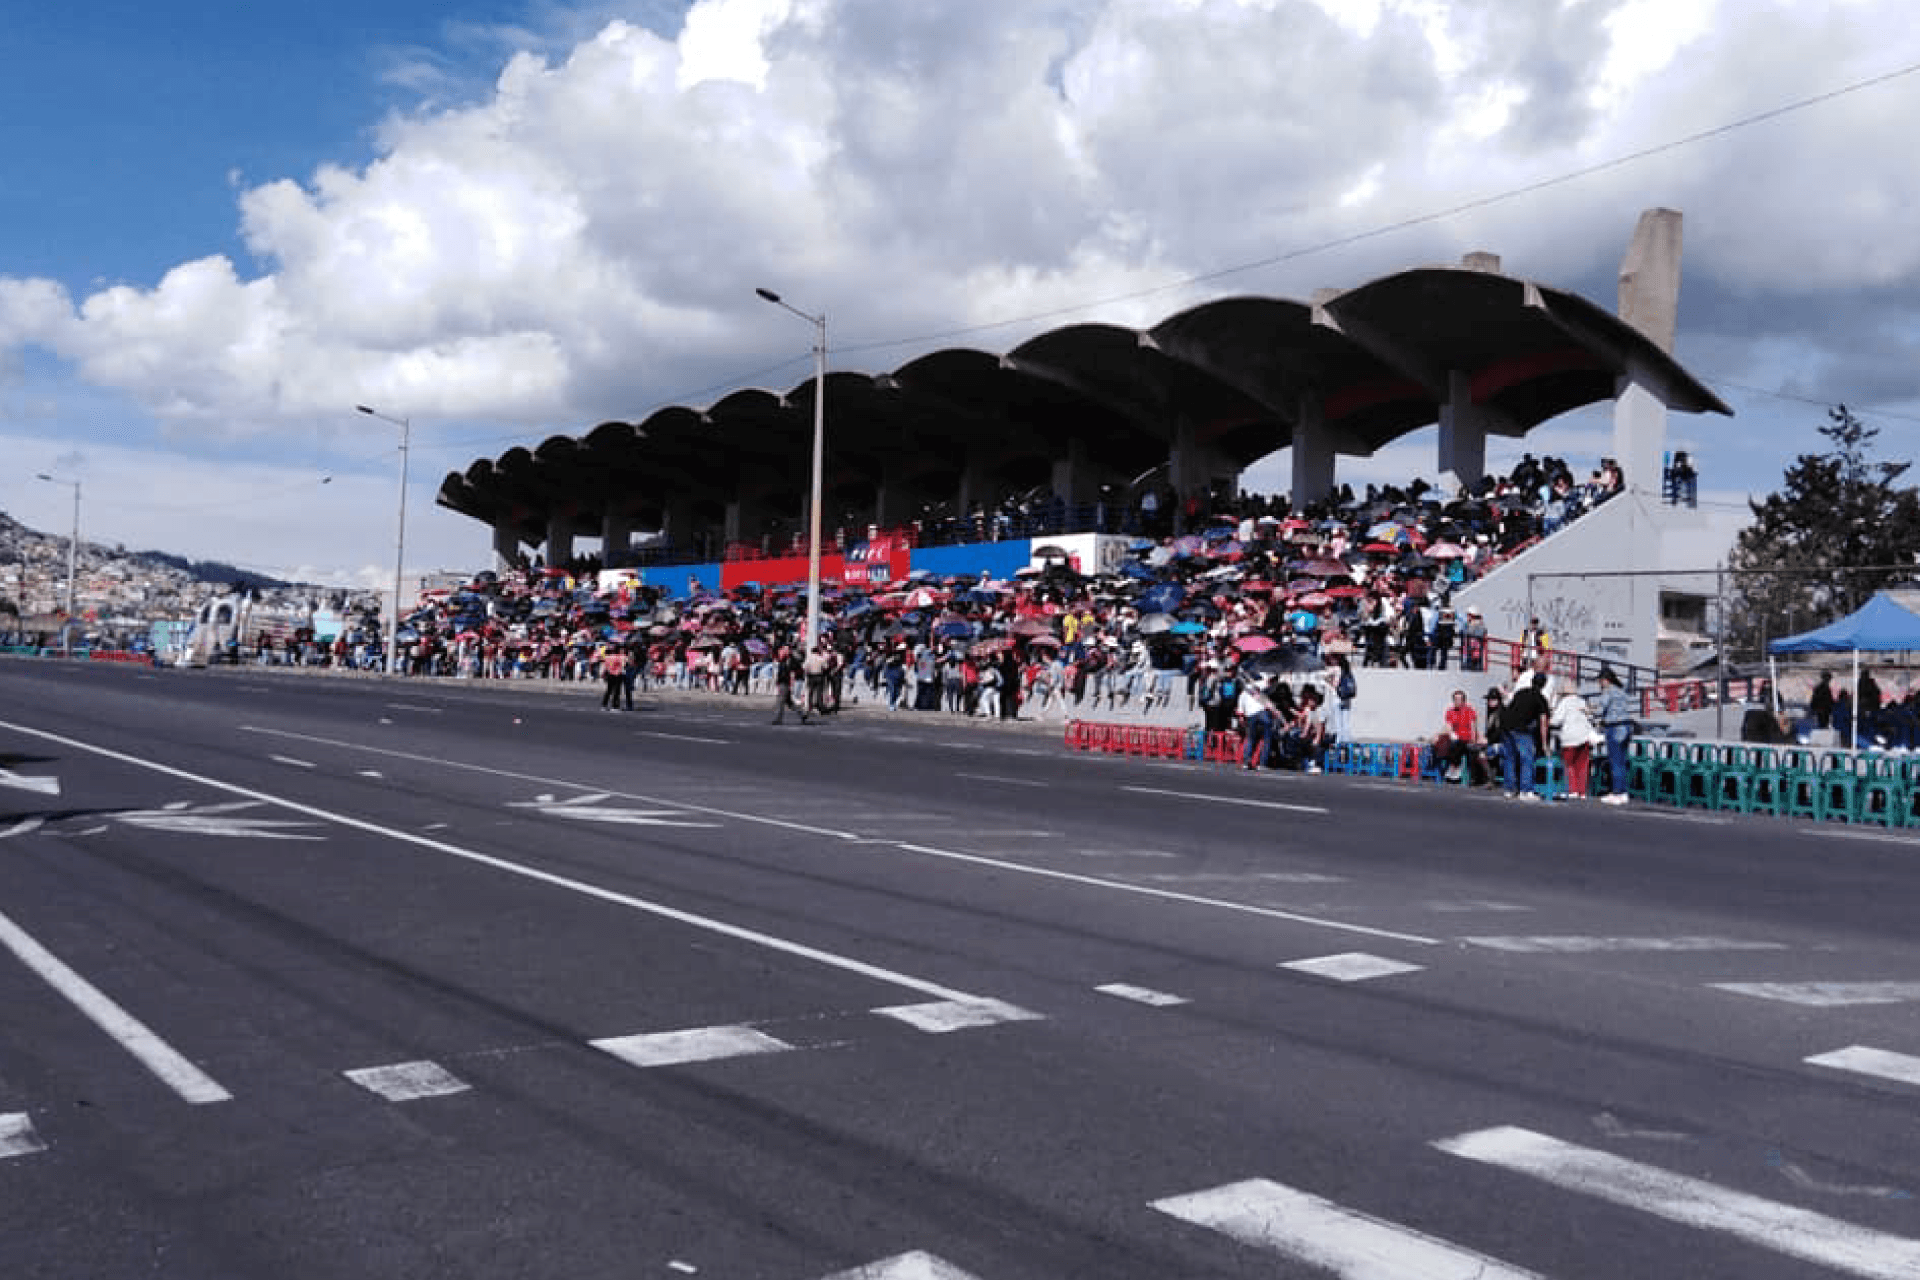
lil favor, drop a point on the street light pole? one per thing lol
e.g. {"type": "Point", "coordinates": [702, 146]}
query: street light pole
{"type": "Point", "coordinates": [73, 556]}
{"type": "Point", "coordinates": [819, 323]}
{"type": "Point", "coordinates": [400, 548]}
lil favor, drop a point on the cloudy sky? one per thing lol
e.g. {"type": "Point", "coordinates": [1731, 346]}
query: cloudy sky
{"type": "Point", "coordinates": [223, 226]}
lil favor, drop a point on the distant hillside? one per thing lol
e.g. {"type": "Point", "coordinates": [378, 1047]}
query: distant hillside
{"type": "Point", "coordinates": [19, 544]}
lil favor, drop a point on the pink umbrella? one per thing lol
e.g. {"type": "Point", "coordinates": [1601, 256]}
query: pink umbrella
{"type": "Point", "coordinates": [1446, 551]}
{"type": "Point", "coordinates": [1255, 643]}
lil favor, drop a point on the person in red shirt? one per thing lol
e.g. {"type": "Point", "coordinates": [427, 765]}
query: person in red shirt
{"type": "Point", "coordinates": [1463, 735]}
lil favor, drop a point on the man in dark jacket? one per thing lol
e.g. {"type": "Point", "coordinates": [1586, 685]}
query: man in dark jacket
{"type": "Point", "coordinates": [1524, 731]}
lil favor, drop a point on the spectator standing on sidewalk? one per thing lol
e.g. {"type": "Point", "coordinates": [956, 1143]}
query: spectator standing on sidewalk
{"type": "Point", "coordinates": [1614, 711]}
{"type": "Point", "coordinates": [1524, 729]}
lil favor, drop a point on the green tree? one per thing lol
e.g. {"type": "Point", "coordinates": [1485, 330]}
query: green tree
{"type": "Point", "coordinates": [1839, 530]}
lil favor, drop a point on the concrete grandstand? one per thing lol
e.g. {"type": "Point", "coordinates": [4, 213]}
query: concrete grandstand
{"type": "Point", "coordinates": [1084, 412]}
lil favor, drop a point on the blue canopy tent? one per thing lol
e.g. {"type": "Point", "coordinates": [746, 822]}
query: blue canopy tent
{"type": "Point", "coordinates": [1881, 625]}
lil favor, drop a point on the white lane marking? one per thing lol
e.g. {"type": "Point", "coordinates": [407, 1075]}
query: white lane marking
{"type": "Point", "coordinates": [1170, 895]}
{"type": "Point", "coordinates": [406, 1081]}
{"type": "Point", "coordinates": [1800, 1178]}
{"type": "Point", "coordinates": [1467, 905]}
{"type": "Point", "coordinates": [1353, 966]}
{"type": "Point", "coordinates": [1003, 780]}
{"type": "Point", "coordinates": [699, 1044]}
{"type": "Point", "coordinates": [684, 1268]}
{"type": "Point", "coordinates": [23, 826]}
{"type": "Point", "coordinates": [1799, 1233]}
{"type": "Point", "coordinates": [849, 836]}
{"type": "Point", "coordinates": [1141, 995]}
{"type": "Point", "coordinates": [214, 820]}
{"type": "Point", "coordinates": [682, 737]}
{"type": "Point", "coordinates": [1345, 1242]}
{"type": "Point", "coordinates": [1575, 944]}
{"type": "Point", "coordinates": [906, 1266]}
{"type": "Point", "coordinates": [1825, 995]}
{"type": "Point", "coordinates": [1215, 799]}
{"type": "Point", "coordinates": [1884, 837]}
{"type": "Point", "coordinates": [411, 706]}
{"type": "Point", "coordinates": [958, 1015]}
{"type": "Point", "coordinates": [17, 1137]}
{"type": "Point", "coordinates": [155, 1054]}
{"type": "Point", "coordinates": [45, 786]}
{"type": "Point", "coordinates": [1697, 819]}
{"type": "Point", "coordinates": [1123, 853]}
{"type": "Point", "coordinates": [581, 809]}
{"type": "Point", "coordinates": [294, 761]}
{"type": "Point", "coordinates": [1885, 1064]}
{"type": "Point", "coordinates": [1243, 877]}
{"type": "Point", "coordinates": [369, 773]}
{"type": "Point", "coordinates": [708, 923]}
{"type": "Point", "coordinates": [1613, 1127]}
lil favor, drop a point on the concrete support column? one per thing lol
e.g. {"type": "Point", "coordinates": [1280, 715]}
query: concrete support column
{"type": "Point", "coordinates": [616, 535]}
{"type": "Point", "coordinates": [1639, 436]}
{"type": "Point", "coordinates": [1463, 432]}
{"type": "Point", "coordinates": [1312, 453]}
{"type": "Point", "coordinates": [506, 547]}
{"type": "Point", "coordinates": [559, 544]}
{"type": "Point", "coordinates": [895, 501]}
{"type": "Point", "coordinates": [1072, 478]}
{"type": "Point", "coordinates": [976, 483]}
{"type": "Point", "coordinates": [678, 525]}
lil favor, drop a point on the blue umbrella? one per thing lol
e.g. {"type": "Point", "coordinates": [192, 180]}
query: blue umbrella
{"type": "Point", "coordinates": [1188, 628]}
{"type": "Point", "coordinates": [953, 630]}
{"type": "Point", "coordinates": [1162, 597]}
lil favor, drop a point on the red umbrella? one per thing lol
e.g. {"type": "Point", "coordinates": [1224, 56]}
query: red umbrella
{"type": "Point", "coordinates": [1381, 549]}
{"type": "Point", "coordinates": [1255, 643]}
{"type": "Point", "coordinates": [1031, 626]}
{"type": "Point", "coordinates": [1323, 568]}
{"type": "Point", "coordinates": [1345, 593]}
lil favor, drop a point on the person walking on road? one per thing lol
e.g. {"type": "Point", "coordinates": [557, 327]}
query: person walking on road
{"type": "Point", "coordinates": [613, 671]}
{"type": "Point", "coordinates": [788, 671]}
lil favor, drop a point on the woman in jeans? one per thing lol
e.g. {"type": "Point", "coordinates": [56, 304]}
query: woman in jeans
{"type": "Point", "coordinates": [1614, 711]}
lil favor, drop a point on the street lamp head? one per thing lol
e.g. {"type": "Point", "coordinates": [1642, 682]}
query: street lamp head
{"type": "Point", "coordinates": [768, 294]}
{"type": "Point", "coordinates": [363, 408]}
{"type": "Point", "coordinates": [41, 475]}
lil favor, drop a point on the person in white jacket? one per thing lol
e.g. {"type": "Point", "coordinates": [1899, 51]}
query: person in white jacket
{"type": "Point", "coordinates": [1573, 726]}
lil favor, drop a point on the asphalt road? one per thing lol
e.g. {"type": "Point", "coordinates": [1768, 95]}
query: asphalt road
{"type": "Point", "coordinates": [308, 977]}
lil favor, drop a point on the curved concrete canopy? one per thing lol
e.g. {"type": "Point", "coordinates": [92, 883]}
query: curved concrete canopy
{"type": "Point", "coordinates": [1235, 378]}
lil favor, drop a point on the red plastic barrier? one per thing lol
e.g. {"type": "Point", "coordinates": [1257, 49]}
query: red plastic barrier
{"type": "Point", "coordinates": [1223, 747]}
{"type": "Point", "coordinates": [1076, 737]}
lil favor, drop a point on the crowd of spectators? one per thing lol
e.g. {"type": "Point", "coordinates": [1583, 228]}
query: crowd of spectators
{"type": "Point", "coordinates": [1257, 595]}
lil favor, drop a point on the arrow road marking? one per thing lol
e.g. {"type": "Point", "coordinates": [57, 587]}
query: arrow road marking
{"type": "Point", "coordinates": [212, 820]}
{"type": "Point", "coordinates": [21, 782]}
{"type": "Point", "coordinates": [581, 808]}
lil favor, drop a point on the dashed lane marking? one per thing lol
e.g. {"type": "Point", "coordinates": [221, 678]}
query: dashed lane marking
{"type": "Point", "coordinates": [699, 1044]}
{"type": "Point", "coordinates": [1004, 780]}
{"type": "Point", "coordinates": [1219, 799]}
{"type": "Point", "coordinates": [155, 1054]}
{"type": "Point", "coordinates": [683, 737]}
{"type": "Point", "coordinates": [1141, 995]}
{"type": "Point", "coordinates": [1799, 1233]}
{"type": "Point", "coordinates": [294, 762]}
{"type": "Point", "coordinates": [1345, 1242]}
{"type": "Point", "coordinates": [1352, 966]}
{"type": "Point", "coordinates": [407, 1081]}
{"type": "Point", "coordinates": [1574, 944]}
{"type": "Point", "coordinates": [943, 1016]}
{"type": "Point", "coordinates": [17, 1137]}
{"type": "Point", "coordinates": [1826, 995]}
{"type": "Point", "coordinates": [1881, 1063]}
